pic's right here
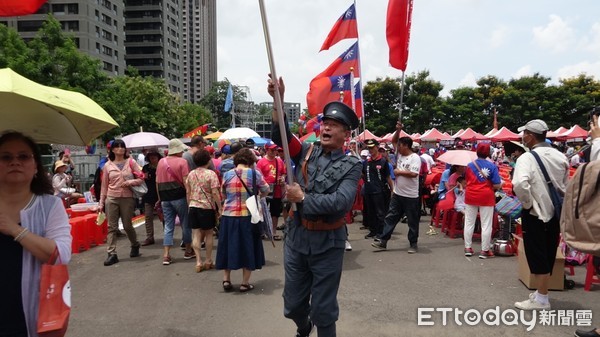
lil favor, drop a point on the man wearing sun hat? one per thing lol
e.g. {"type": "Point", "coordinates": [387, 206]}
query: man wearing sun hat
{"type": "Point", "coordinates": [540, 225]}
{"type": "Point", "coordinates": [325, 188]}
{"type": "Point", "coordinates": [171, 173]}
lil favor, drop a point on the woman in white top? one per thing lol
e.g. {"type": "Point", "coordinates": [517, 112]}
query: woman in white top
{"type": "Point", "coordinates": [61, 182]}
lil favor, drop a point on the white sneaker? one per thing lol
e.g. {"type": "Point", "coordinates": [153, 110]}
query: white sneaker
{"type": "Point", "coordinates": [348, 246]}
{"type": "Point", "coordinates": [532, 304]}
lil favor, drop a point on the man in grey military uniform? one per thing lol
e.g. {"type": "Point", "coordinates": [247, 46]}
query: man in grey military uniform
{"type": "Point", "coordinates": [324, 192]}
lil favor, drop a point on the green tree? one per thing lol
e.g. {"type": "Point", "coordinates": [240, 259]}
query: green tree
{"type": "Point", "coordinates": [422, 103]}
{"type": "Point", "coordinates": [381, 99]}
{"type": "Point", "coordinates": [214, 102]}
{"type": "Point", "coordinates": [14, 52]}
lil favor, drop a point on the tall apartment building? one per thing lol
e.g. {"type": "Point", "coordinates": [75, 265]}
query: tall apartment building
{"type": "Point", "coordinates": [154, 37]}
{"type": "Point", "coordinates": [263, 126]}
{"type": "Point", "coordinates": [199, 48]}
{"type": "Point", "coordinates": [97, 26]}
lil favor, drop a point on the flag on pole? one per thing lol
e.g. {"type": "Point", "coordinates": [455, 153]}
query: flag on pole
{"type": "Point", "coordinates": [326, 89]}
{"type": "Point", "coordinates": [342, 64]}
{"type": "Point", "coordinates": [358, 108]}
{"type": "Point", "coordinates": [228, 99]}
{"type": "Point", "coordinates": [344, 28]}
{"type": "Point", "coordinates": [399, 14]}
{"type": "Point", "coordinates": [20, 7]}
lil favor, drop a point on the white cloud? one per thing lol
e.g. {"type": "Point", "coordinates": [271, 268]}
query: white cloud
{"type": "Point", "coordinates": [468, 81]}
{"type": "Point", "coordinates": [589, 68]}
{"type": "Point", "coordinates": [499, 36]}
{"type": "Point", "coordinates": [592, 42]}
{"type": "Point", "coordinates": [523, 71]}
{"type": "Point", "coordinates": [557, 35]}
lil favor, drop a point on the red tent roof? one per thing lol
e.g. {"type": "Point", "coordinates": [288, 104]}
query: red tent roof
{"type": "Point", "coordinates": [504, 135]}
{"type": "Point", "coordinates": [458, 133]}
{"type": "Point", "coordinates": [575, 132]}
{"type": "Point", "coordinates": [469, 134]}
{"type": "Point", "coordinates": [415, 136]}
{"type": "Point", "coordinates": [492, 131]}
{"type": "Point", "coordinates": [562, 129]}
{"type": "Point", "coordinates": [389, 136]}
{"type": "Point", "coordinates": [366, 135]}
{"type": "Point", "coordinates": [434, 135]}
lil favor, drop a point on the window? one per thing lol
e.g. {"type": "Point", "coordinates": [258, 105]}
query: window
{"type": "Point", "coordinates": [29, 26]}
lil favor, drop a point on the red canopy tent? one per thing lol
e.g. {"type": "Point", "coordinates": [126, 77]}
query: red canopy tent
{"type": "Point", "coordinates": [492, 131]}
{"type": "Point", "coordinates": [504, 135]}
{"type": "Point", "coordinates": [560, 130]}
{"type": "Point", "coordinates": [469, 134]}
{"type": "Point", "coordinates": [434, 135]}
{"type": "Point", "coordinates": [388, 138]}
{"type": "Point", "coordinates": [366, 135]}
{"type": "Point", "coordinates": [574, 133]}
{"type": "Point", "coordinates": [415, 136]}
{"type": "Point", "coordinates": [458, 133]}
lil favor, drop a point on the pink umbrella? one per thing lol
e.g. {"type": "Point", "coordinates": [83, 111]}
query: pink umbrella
{"type": "Point", "coordinates": [142, 140]}
{"type": "Point", "coordinates": [458, 157]}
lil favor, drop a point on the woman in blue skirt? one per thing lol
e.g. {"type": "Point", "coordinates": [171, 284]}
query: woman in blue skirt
{"type": "Point", "coordinates": [240, 245]}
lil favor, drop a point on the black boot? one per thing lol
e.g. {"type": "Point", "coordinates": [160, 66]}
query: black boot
{"type": "Point", "coordinates": [135, 251]}
{"type": "Point", "coordinates": [111, 259]}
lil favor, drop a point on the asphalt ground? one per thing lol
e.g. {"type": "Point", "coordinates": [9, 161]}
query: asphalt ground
{"type": "Point", "coordinates": [380, 293]}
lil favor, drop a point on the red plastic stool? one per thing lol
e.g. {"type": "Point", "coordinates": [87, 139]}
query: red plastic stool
{"type": "Point", "coordinates": [81, 201]}
{"type": "Point", "coordinates": [591, 277]}
{"type": "Point", "coordinates": [69, 212]}
{"type": "Point", "coordinates": [94, 231]}
{"type": "Point", "coordinates": [79, 232]}
{"type": "Point", "coordinates": [455, 228]}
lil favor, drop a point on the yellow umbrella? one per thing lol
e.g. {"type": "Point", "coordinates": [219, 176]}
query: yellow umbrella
{"type": "Point", "coordinates": [49, 115]}
{"type": "Point", "coordinates": [214, 135]}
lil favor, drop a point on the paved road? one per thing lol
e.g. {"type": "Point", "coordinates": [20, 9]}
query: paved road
{"type": "Point", "coordinates": [379, 294]}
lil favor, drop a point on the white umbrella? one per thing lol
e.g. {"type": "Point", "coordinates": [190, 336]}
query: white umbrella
{"type": "Point", "coordinates": [239, 133]}
{"type": "Point", "coordinates": [458, 157]}
{"type": "Point", "coordinates": [141, 140]}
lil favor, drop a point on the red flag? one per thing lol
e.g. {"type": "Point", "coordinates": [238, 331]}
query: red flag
{"type": "Point", "coordinates": [344, 28]}
{"type": "Point", "coordinates": [399, 15]}
{"type": "Point", "coordinates": [326, 89]}
{"type": "Point", "coordinates": [199, 131]}
{"type": "Point", "coordinates": [342, 64]}
{"type": "Point", "coordinates": [19, 7]}
{"type": "Point", "coordinates": [357, 100]}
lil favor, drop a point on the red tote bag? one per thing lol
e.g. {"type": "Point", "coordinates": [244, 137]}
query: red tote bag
{"type": "Point", "coordinates": [55, 299]}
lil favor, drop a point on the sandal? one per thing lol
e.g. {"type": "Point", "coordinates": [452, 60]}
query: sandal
{"type": "Point", "coordinates": [199, 268]}
{"type": "Point", "coordinates": [209, 265]}
{"type": "Point", "coordinates": [227, 286]}
{"type": "Point", "coordinates": [246, 287]}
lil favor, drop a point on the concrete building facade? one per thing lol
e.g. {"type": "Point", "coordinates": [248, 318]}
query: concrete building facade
{"type": "Point", "coordinates": [96, 25]}
{"type": "Point", "coordinates": [199, 48]}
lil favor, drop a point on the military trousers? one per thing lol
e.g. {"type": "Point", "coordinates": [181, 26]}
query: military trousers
{"type": "Point", "coordinates": [311, 286]}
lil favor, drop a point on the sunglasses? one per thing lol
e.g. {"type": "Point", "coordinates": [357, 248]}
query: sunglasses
{"type": "Point", "coordinates": [8, 158]}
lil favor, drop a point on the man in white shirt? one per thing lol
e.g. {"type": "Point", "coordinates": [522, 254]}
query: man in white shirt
{"type": "Point", "coordinates": [429, 161]}
{"type": "Point", "coordinates": [405, 199]}
{"type": "Point", "coordinates": [541, 227]}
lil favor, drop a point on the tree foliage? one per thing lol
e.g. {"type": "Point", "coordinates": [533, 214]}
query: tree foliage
{"type": "Point", "coordinates": [214, 101]}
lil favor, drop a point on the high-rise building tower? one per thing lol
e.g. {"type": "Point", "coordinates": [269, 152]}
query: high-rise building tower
{"type": "Point", "coordinates": [199, 48]}
{"type": "Point", "coordinates": [97, 26]}
{"type": "Point", "coordinates": [154, 37]}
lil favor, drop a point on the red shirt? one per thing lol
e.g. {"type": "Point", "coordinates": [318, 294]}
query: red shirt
{"type": "Point", "coordinates": [270, 171]}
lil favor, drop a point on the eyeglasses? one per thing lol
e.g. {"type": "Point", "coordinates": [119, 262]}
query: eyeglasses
{"type": "Point", "coordinates": [7, 158]}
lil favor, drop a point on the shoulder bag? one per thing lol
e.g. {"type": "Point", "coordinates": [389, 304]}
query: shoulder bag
{"type": "Point", "coordinates": [138, 190]}
{"type": "Point", "coordinates": [557, 199]}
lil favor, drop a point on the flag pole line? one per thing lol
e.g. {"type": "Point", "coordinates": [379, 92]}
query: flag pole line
{"type": "Point", "coordinates": [401, 98]}
{"type": "Point", "coordinates": [277, 97]}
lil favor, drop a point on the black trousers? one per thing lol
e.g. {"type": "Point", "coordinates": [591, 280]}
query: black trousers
{"type": "Point", "coordinates": [376, 206]}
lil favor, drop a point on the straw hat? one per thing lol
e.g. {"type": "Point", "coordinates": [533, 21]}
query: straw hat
{"type": "Point", "coordinates": [176, 146]}
{"type": "Point", "coordinates": [58, 164]}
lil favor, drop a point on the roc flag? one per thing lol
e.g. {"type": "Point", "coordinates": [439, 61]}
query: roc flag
{"type": "Point", "coordinates": [399, 14]}
{"type": "Point", "coordinates": [228, 99]}
{"type": "Point", "coordinates": [342, 64]}
{"type": "Point", "coordinates": [326, 89]}
{"type": "Point", "coordinates": [344, 28]}
{"type": "Point", "coordinates": [357, 100]}
{"type": "Point", "coordinates": [19, 7]}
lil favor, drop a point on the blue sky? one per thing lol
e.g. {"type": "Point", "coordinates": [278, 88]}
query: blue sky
{"type": "Point", "coordinates": [458, 41]}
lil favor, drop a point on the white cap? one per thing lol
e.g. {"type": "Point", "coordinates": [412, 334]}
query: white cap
{"type": "Point", "coordinates": [536, 126]}
{"type": "Point", "coordinates": [364, 153]}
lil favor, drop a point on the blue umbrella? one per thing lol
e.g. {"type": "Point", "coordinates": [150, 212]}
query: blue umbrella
{"type": "Point", "coordinates": [259, 141]}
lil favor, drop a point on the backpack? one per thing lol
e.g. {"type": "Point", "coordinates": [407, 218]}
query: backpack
{"type": "Point", "coordinates": [580, 219]}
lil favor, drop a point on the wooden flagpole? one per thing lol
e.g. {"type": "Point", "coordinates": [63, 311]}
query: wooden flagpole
{"type": "Point", "coordinates": [278, 102]}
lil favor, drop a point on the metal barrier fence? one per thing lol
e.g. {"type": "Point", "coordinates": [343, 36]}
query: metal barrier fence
{"type": "Point", "coordinates": [85, 167]}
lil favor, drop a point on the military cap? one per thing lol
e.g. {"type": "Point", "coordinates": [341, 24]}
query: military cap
{"type": "Point", "coordinates": [341, 113]}
{"type": "Point", "coordinates": [371, 143]}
